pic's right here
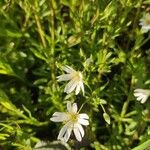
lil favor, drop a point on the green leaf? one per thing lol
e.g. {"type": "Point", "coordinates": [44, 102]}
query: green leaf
{"type": "Point", "coordinates": [106, 118]}
{"type": "Point", "coordinates": [6, 126]}
{"type": "Point", "coordinates": [38, 54]}
{"type": "Point", "coordinates": [65, 2]}
{"type": "Point", "coordinates": [10, 107]}
{"type": "Point", "coordinates": [22, 147]}
{"type": "Point", "coordinates": [74, 40]}
{"type": "Point", "coordinates": [6, 69]}
{"type": "Point", "coordinates": [3, 136]}
{"type": "Point", "coordinates": [104, 61]}
{"type": "Point", "coordinates": [144, 146]}
{"type": "Point", "coordinates": [5, 102]}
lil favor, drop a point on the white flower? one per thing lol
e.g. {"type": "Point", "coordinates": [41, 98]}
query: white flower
{"type": "Point", "coordinates": [73, 122]}
{"type": "Point", "coordinates": [141, 95]}
{"type": "Point", "coordinates": [145, 23]}
{"type": "Point", "coordinates": [76, 80]}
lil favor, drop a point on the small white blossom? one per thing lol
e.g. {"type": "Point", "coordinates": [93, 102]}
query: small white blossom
{"type": "Point", "coordinates": [142, 95]}
{"type": "Point", "coordinates": [76, 80]}
{"type": "Point", "coordinates": [73, 122]}
{"type": "Point", "coordinates": [145, 23]}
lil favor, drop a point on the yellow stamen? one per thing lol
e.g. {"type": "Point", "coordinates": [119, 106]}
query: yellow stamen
{"type": "Point", "coordinates": [73, 117]}
{"type": "Point", "coordinates": [147, 21]}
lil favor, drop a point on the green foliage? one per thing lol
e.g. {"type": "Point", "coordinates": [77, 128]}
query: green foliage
{"type": "Point", "coordinates": [102, 39]}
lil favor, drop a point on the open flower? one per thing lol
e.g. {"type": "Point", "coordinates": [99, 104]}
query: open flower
{"type": "Point", "coordinates": [145, 23]}
{"type": "Point", "coordinates": [73, 122]}
{"type": "Point", "coordinates": [142, 95]}
{"type": "Point", "coordinates": [76, 80]}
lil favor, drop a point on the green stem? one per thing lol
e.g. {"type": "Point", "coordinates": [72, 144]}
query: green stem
{"type": "Point", "coordinates": [103, 108]}
{"type": "Point", "coordinates": [131, 114]}
{"type": "Point", "coordinates": [52, 32]}
{"type": "Point", "coordinates": [81, 106]}
{"type": "Point", "coordinates": [126, 103]}
{"type": "Point", "coordinates": [35, 123]}
{"type": "Point", "coordinates": [137, 15]}
{"type": "Point", "coordinates": [146, 40]}
{"type": "Point", "coordinates": [40, 31]}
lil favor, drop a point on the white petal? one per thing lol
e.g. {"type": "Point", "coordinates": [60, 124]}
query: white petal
{"type": "Point", "coordinates": [80, 128]}
{"type": "Point", "coordinates": [140, 97]}
{"type": "Point", "coordinates": [144, 29]}
{"type": "Point", "coordinates": [144, 99]}
{"type": "Point", "coordinates": [77, 134]}
{"type": "Point", "coordinates": [141, 23]}
{"type": "Point", "coordinates": [59, 117]}
{"type": "Point", "coordinates": [65, 132]}
{"type": "Point", "coordinates": [74, 108]}
{"type": "Point", "coordinates": [82, 87]}
{"type": "Point", "coordinates": [69, 106]}
{"type": "Point", "coordinates": [64, 77]}
{"type": "Point", "coordinates": [138, 90]}
{"type": "Point", "coordinates": [68, 69]}
{"type": "Point", "coordinates": [70, 86]}
{"type": "Point", "coordinates": [62, 132]}
{"type": "Point", "coordinates": [83, 116]}
{"type": "Point", "coordinates": [77, 89]}
{"type": "Point", "coordinates": [137, 94]}
{"type": "Point", "coordinates": [83, 121]}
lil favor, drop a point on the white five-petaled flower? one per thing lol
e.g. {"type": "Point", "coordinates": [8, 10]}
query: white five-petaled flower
{"type": "Point", "coordinates": [142, 94]}
{"type": "Point", "coordinates": [145, 23]}
{"type": "Point", "coordinates": [73, 122]}
{"type": "Point", "coordinates": [76, 80]}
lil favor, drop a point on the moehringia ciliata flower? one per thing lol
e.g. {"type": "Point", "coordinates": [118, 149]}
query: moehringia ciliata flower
{"type": "Point", "coordinates": [73, 121]}
{"type": "Point", "coordinates": [145, 23]}
{"type": "Point", "coordinates": [142, 95]}
{"type": "Point", "coordinates": [76, 80]}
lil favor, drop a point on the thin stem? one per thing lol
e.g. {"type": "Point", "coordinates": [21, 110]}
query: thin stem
{"type": "Point", "coordinates": [126, 104]}
{"type": "Point", "coordinates": [131, 114]}
{"type": "Point", "coordinates": [103, 108]}
{"type": "Point", "coordinates": [146, 40]}
{"type": "Point", "coordinates": [137, 15]}
{"type": "Point", "coordinates": [40, 31]}
{"type": "Point", "coordinates": [81, 106]}
{"type": "Point", "coordinates": [52, 32]}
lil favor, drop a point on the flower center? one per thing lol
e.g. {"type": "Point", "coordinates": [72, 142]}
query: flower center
{"type": "Point", "coordinates": [147, 21]}
{"type": "Point", "coordinates": [78, 76]}
{"type": "Point", "coordinates": [73, 117]}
